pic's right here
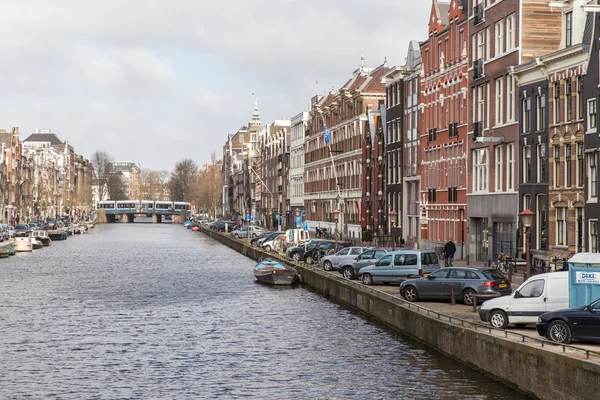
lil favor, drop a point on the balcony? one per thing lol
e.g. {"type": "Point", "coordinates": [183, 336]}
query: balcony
{"type": "Point", "coordinates": [478, 68]}
{"type": "Point", "coordinates": [478, 14]}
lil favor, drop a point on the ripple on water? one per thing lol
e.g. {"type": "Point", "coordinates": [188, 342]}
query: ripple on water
{"type": "Point", "coordinates": [140, 311]}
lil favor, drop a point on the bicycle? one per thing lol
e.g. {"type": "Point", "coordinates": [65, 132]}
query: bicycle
{"type": "Point", "coordinates": [448, 261]}
{"type": "Point", "coordinates": [503, 263]}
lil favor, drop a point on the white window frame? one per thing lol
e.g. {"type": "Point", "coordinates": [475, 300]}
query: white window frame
{"type": "Point", "coordinates": [499, 100]}
{"type": "Point", "coordinates": [481, 170]}
{"type": "Point", "coordinates": [511, 39]}
{"type": "Point", "coordinates": [510, 99]}
{"type": "Point", "coordinates": [540, 150]}
{"type": "Point", "coordinates": [593, 235]}
{"type": "Point", "coordinates": [498, 170]}
{"type": "Point", "coordinates": [592, 109]}
{"type": "Point", "coordinates": [480, 102]}
{"type": "Point", "coordinates": [561, 226]}
{"type": "Point", "coordinates": [510, 164]}
{"type": "Point", "coordinates": [592, 176]}
{"type": "Point", "coordinates": [499, 33]}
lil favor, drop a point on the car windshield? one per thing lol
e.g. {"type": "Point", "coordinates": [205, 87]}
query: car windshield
{"type": "Point", "coordinates": [492, 274]}
{"type": "Point", "coordinates": [22, 227]}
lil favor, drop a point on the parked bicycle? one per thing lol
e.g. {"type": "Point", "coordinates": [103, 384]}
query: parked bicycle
{"type": "Point", "coordinates": [504, 263]}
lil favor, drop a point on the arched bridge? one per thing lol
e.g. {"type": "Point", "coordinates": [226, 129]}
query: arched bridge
{"type": "Point", "coordinates": [126, 210]}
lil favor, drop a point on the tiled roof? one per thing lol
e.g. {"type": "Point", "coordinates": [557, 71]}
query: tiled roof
{"type": "Point", "coordinates": [44, 137]}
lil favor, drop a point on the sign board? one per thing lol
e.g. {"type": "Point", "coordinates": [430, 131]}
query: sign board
{"type": "Point", "coordinates": [587, 277]}
{"type": "Point", "coordinates": [303, 213]}
{"type": "Point", "coordinates": [305, 227]}
{"type": "Point", "coordinates": [298, 222]}
{"type": "Point", "coordinates": [277, 218]}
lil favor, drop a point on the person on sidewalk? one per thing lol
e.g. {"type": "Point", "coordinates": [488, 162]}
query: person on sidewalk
{"type": "Point", "coordinates": [448, 251]}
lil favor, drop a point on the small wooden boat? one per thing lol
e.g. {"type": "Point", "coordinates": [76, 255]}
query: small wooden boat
{"type": "Point", "coordinates": [275, 273]}
{"type": "Point", "coordinates": [11, 250]}
{"type": "Point", "coordinates": [36, 244]}
{"type": "Point", "coordinates": [5, 251]}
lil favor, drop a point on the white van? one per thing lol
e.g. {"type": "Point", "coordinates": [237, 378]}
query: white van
{"type": "Point", "coordinates": [537, 295]}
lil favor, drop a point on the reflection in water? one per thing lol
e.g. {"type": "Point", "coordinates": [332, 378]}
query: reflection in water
{"type": "Point", "coordinates": [157, 311]}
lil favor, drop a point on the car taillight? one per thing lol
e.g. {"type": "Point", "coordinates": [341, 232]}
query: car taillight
{"type": "Point", "coordinates": [420, 272]}
{"type": "Point", "coordinates": [490, 284]}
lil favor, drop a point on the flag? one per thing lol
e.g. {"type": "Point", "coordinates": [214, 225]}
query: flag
{"type": "Point", "coordinates": [326, 135]}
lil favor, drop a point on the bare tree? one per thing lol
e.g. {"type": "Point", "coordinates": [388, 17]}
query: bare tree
{"type": "Point", "coordinates": [116, 187]}
{"type": "Point", "coordinates": [101, 162]}
{"type": "Point", "coordinates": [148, 183]}
{"type": "Point", "coordinates": [182, 180]}
{"type": "Point", "coordinates": [209, 186]}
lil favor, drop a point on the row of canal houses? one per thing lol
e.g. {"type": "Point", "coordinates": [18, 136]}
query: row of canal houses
{"type": "Point", "coordinates": [41, 176]}
{"type": "Point", "coordinates": [493, 113]}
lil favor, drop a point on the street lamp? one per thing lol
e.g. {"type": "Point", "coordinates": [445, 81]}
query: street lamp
{"type": "Point", "coordinates": [393, 218]}
{"type": "Point", "coordinates": [526, 220]}
{"type": "Point", "coordinates": [336, 216]}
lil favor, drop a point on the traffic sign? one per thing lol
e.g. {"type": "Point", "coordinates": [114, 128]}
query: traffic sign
{"type": "Point", "coordinates": [298, 222]}
{"type": "Point", "coordinates": [303, 213]}
{"type": "Point", "coordinates": [305, 227]}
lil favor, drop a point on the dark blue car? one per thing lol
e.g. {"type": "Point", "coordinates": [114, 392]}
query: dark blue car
{"type": "Point", "coordinates": [21, 230]}
{"type": "Point", "coordinates": [562, 326]}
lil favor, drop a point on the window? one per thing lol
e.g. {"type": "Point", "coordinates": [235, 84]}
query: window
{"type": "Point", "coordinates": [591, 125]}
{"type": "Point", "coordinates": [569, 28]}
{"type": "Point", "coordinates": [556, 166]}
{"type": "Point", "coordinates": [480, 170]}
{"type": "Point", "coordinates": [594, 235]}
{"type": "Point", "coordinates": [343, 252]}
{"type": "Point", "coordinates": [526, 115]}
{"type": "Point", "coordinates": [568, 100]}
{"type": "Point", "coordinates": [499, 30]}
{"type": "Point", "coordinates": [541, 167]}
{"type": "Point", "coordinates": [510, 98]}
{"type": "Point", "coordinates": [580, 105]}
{"type": "Point", "coordinates": [487, 105]}
{"type": "Point", "coordinates": [511, 23]}
{"type": "Point", "coordinates": [526, 164]}
{"type": "Point", "coordinates": [579, 229]}
{"type": "Point", "coordinates": [384, 261]}
{"type": "Point", "coordinates": [541, 112]}
{"type": "Point", "coordinates": [499, 101]}
{"type": "Point", "coordinates": [480, 103]}
{"type": "Point", "coordinates": [592, 176]}
{"type": "Point", "coordinates": [510, 166]}
{"type": "Point", "coordinates": [556, 102]}
{"type": "Point", "coordinates": [488, 37]}
{"type": "Point", "coordinates": [542, 222]}
{"type": "Point", "coordinates": [498, 170]}
{"type": "Point", "coordinates": [567, 165]}
{"type": "Point", "coordinates": [580, 170]}
{"type": "Point", "coordinates": [481, 44]}
{"type": "Point", "coordinates": [526, 202]}
{"type": "Point", "coordinates": [561, 226]}
{"type": "Point", "coordinates": [532, 289]}
{"type": "Point", "coordinates": [356, 251]}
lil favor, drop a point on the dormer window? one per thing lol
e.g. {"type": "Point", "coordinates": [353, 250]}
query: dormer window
{"type": "Point", "coordinates": [569, 28]}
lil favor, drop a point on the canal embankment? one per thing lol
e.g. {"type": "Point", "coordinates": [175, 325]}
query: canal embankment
{"type": "Point", "coordinates": [535, 367]}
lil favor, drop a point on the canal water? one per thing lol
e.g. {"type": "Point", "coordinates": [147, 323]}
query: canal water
{"type": "Point", "coordinates": [147, 311]}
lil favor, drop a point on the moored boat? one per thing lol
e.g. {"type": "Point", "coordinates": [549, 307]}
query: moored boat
{"type": "Point", "coordinates": [23, 244]}
{"type": "Point", "coordinates": [4, 251]}
{"type": "Point", "coordinates": [42, 236]}
{"type": "Point", "coordinates": [275, 273]}
{"type": "Point", "coordinates": [35, 243]}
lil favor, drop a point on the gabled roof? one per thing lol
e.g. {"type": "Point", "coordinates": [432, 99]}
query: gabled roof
{"type": "Point", "coordinates": [44, 137]}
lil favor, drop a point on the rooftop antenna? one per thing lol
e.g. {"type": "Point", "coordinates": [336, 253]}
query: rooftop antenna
{"type": "Point", "coordinates": [362, 62]}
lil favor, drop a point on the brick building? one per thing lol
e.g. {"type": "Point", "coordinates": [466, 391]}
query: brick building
{"type": "Point", "coordinates": [333, 180]}
{"type": "Point", "coordinates": [502, 34]}
{"type": "Point", "coordinates": [443, 82]}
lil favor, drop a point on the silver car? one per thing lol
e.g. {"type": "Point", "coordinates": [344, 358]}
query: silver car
{"type": "Point", "coordinates": [332, 262]}
{"type": "Point", "coordinates": [349, 268]}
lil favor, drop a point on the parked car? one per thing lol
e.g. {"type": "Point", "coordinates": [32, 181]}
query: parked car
{"type": "Point", "coordinates": [297, 252]}
{"type": "Point", "coordinates": [269, 237]}
{"type": "Point", "coordinates": [401, 265]}
{"type": "Point", "coordinates": [314, 253]}
{"type": "Point", "coordinates": [4, 232]}
{"type": "Point", "coordinates": [222, 226]}
{"type": "Point", "coordinates": [332, 262]}
{"type": "Point", "coordinates": [466, 281]}
{"type": "Point", "coordinates": [51, 223]}
{"type": "Point", "coordinates": [247, 231]}
{"type": "Point", "coordinates": [537, 295]}
{"type": "Point", "coordinates": [349, 268]}
{"type": "Point", "coordinates": [573, 323]}
{"type": "Point", "coordinates": [22, 230]}
{"type": "Point", "coordinates": [253, 241]}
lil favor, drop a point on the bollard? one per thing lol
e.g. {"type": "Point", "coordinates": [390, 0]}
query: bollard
{"type": "Point", "coordinates": [452, 299]}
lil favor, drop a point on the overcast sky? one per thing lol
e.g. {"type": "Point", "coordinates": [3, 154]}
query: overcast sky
{"type": "Point", "coordinates": [156, 81]}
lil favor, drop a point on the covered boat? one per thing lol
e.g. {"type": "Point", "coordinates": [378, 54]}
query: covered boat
{"type": "Point", "coordinates": [274, 272]}
{"type": "Point", "coordinates": [23, 244]}
{"type": "Point", "coordinates": [42, 236]}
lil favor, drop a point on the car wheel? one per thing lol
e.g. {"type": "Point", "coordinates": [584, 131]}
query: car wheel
{"type": "Point", "coordinates": [296, 256]}
{"type": "Point", "coordinates": [348, 273]}
{"type": "Point", "coordinates": [410, 293]}
{"type": "Point", "coordinates": [466, 297]}
{"type": "Point", "coordinates": [367, 279]}
{"type": "Point", "coordinates": [498, 319]}
{"type": "Point", "coordinates": [309, 260]}
{"type": "Point", "coordinates": [236, 236]}
{"type": "Point", "coordinates": [253, 235]}
{"type": "Point", "coordinates": [559, 331]}
{"type": "Point", "coordinates": [327, 266]}
{"type": "Point", "coordinates": [268, 248]}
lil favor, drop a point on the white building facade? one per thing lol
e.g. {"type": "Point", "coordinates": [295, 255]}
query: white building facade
{"type": "Point", "coordinates": [296, 172]}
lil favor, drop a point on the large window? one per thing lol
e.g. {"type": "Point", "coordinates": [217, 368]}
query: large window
{"type": "Point", "coordinates": [499, 30]}
{"type": "Point", "coordinates": [580, 102]}
{"type": "Point", "coordinates": [480, 104]}
{"type": "Point", "coordinates": [527, 164]}
{"type": "Point", "coordinates": [542, 222]}
{"type": "Point", "coordinates": [556, 102]}
{"type": "Point", "coordinates": [579, 229]}
{"type": "Point", "coordinates": [594, 235]}
{"type": "Point", "coordinates": [527, 115]}
{"type": "Point", "coordinates": [480, 169]}
{"type": "Point", "coordinates": [556, 166]}
{"type": "Point", "coordinates": [498, 170]}
{"type": "Point", "coordinates": [561, 226]}
{"type": "Point", "coordinates": [510, 166]}
{"type": "Point", "coordinates": [511, 24]}
{"type": "Point", "coordinates": [541, 161]}
{"type": "Point", "coordinates": [510, 98]}
{"type": "Point", "coordinates": [580, 170]}
{"type": "Point", "coordinates": [567, 165]}
{"type": "Point", "coordinates": [569, 28]}
{"type": "Point", "coordinates": [592, 173]}
{"type": "Point", "coordinates": [499, 101]}
{"type": "Point", "coordinates": [568, 108]}
{"type": "Point", "coordinates": [592, 111]}
{"type": "Point", "coordinates": [541, 113]}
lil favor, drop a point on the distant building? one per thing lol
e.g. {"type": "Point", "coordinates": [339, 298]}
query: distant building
{"type": "Point", "coordinates": [131, 177]}
{"type": "Point", "coordinates": [296, 174]}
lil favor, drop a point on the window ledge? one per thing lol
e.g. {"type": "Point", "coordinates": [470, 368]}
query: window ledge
{"type": "Point", "coordinates": [561, 247]}
{"type": "Point", "coordinates": [590, 131]}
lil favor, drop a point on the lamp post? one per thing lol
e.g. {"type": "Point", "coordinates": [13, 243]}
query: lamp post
{"type": "Point", "coordinates": [393, 218]}
{"type": "Point", "coordinates": [336, 216]}
{"type": "Point", "coordinates": [526, 220]}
